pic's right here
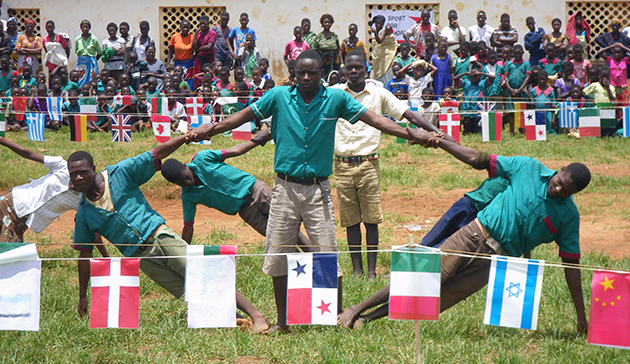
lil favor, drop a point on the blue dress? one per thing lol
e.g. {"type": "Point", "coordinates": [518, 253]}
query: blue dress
{"type": "Point", "coordinates": [442, 76]}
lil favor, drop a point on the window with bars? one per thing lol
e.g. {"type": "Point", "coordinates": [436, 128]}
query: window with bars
{"type": "Point", "coordinates": [599, 14]}
{"type": "Point", "coordinates": [21, 15]}
{"type": "Point", "coordinates": [171, 17]}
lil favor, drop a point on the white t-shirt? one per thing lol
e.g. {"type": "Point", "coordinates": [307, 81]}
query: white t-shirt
{"type": "Point", "coordinates": [416, 87]}
{"type": "Point", "coordinates": [452, 35]}
{"type": "Point", "coordinates": [477, 34]}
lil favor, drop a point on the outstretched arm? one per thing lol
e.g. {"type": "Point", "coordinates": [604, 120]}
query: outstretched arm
{"type": "Point", "coordinates": [164, 150]}
{"type": "Point", "coordinates": [464, 154]}
{"type": "Point", "coordinates": [574, 282]}
{"type": "Point", "coordinates": [240, 149]}
{"type": "Point", "coordinates": [21, 151]}
{"type": "Point", "coordinates": [84, 278]}
{"type": "Point", "coordinates": [205, 131]}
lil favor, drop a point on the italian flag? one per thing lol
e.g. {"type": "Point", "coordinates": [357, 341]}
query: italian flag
{"type": "Point", "coordinates": [491, 126]}
{"type": "Point", "coordinates": [414, 292]}
{"type": "Point", "coordinates": [589, 122]}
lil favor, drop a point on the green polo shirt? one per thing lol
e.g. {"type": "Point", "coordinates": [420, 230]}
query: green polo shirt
{"type": "Point", "coordinates": [71, 86]}
{"type": "Point", "coordinates": [224, 187]}
{"type": "Point", "coordinates": [487, 191]}
{"type": "Point", "coordinates": [305, 134]}
{"type": "Point", "coordinates": [523, 217]}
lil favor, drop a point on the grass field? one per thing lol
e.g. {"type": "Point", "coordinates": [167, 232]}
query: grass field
{"type": "Point", "coordinates": [459, 336]}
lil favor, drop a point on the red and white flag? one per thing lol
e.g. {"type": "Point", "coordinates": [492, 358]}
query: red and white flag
{"type": "Point", "coordinates": [450, 119]}
{"type": "Point", "coordinates": [115, 293]}
{"type": "Point", "coordinates": [161, 127]}
{"type": "Point", "coordinates": [243, 132]}
{"type": "Point", "coordinates": [122, 100]}
{"type": "Point", "coordinates": [194, 106]}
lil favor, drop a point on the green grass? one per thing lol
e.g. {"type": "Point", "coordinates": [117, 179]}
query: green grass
{"type": "Point", "coordinates": [458, 337]}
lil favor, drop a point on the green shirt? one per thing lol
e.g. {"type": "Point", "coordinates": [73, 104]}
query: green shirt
{"type": "Point", "coordinates": [224, 187]}
{"type": "Point", "coordinates": [133, 220]}
{"type": "Point", "coordinates": [87, 47]}
{"type": "Point", "coordinates": [523, 217]}
{"type": "Point", "coordinates": [305, 134]}
{"type": "Point", "coordinates": [71, 86]}
{"type": "Point", "coordinates": [487, 191]}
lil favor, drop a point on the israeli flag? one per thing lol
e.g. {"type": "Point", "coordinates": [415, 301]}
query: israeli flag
{"type": "Point", "coordinates": [626, 122]}
{"type": "Point", "coordinates": [54, 107]}
{"type": "Point", "coordinates": [514, 292]}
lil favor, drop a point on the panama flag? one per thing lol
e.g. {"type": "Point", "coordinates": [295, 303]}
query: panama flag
{"type": "Point", "coordinates": [491, 126]}
{"type": "Point", "coordinates": [589, 122]}
{"type": "Point", "coordinates": [115, 293]}
{"type": "Point", "coordinates": [609, 322]}
{"type": "Point", "coordinates": [519, 108]}
{"type": "Point", "coordinates": [210, 286]}
{"type": "Point", "coordinates": [20, 282]}
{"type": "Point", "coordinates": [121, 128]}
{"type": "Point", "coordinates": [312, 289]}
{"type": "Point", "coordinates": [535, 125]}
{"type": "Point", "coordinates": [161, 128]}
{"type": "Point", "coordinates": [450, 119]}
{"type": "Point", "coordinates": [19, 105]}
{"type": "Point", "coordinates": [514, 291]}
{"type": "Point", "coordinates": [3, 125]}
{"type": "Point", "coordinates": [78, 128]}
{"type": "Point", "coordinates": [194, 106]}
{"type": "Point", "coordinates": [608, 119]}
{"type": "Point", "coordinates": [414, 290]}
{"type": "Point", "coordinates": [122, 100]}
{"type": "Point", "coordinates": [35, 123]}
{"type": "Point", "coordinates": [159, 105]}
{"type": "Point", "coordinates": [197, 121]}
{"type": "Point", "coordinates": [88, 107]}
{"type": "Point", "coordinates": [568, 114]}
{"type": "Point", "coordinates": [626, 122]}
{"type": "Point", "coordinates": [54, 107]}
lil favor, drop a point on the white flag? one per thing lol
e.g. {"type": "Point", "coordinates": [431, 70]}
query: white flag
{"type": "Point", "coordinates": [20, 282]}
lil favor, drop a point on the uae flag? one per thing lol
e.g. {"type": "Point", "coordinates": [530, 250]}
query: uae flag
{"type": "Point", "coordinates": [514, 289]}
{"type": "Point", "coordinates": [19, 105]}
{"type": "Point", "coordinates": [115, 293]}
{"type": "Point", "coordinates": [491, 126]}
{"type": "Point", "coordinates": [626, 122]}
{"type": "Point", "coordinates": [589, 122]}
{"type": "Point", "coordinates": [159, 105]}
{"type": "Point", "coordinates": [519, 108]}
{"type": "Point", "coordinates": [88, 107]}
{"type": "Point", "coordinates": [20, 282]}
{"type": "Point", "coordinates": [312, 289]}
{"type": "Point", "coordinates": [609, 321]}
{"type": "Point", "coordinates": [210, 286]}
{"type": "Point", "coordinates": [608, 119]}
{"type": "Point", "coordinates": [535, 125]}
{"type": "Point", "coordinates": [161, 128]}
{"type": "Point", "coordinates": [450, 119]}
{"type": "Point", "coordinates": [414, 291]}
{"type": "Point", "coordinates": [78, 128]}
{"type": "Point", "coordinates": [3, 125]}
{"type": "Point", "coordinates": [194, 106]}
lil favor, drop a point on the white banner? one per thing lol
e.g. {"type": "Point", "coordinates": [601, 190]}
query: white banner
{"type": "Point", "coordinates": [20, 280]}
{"type": "Point", "coordinates": [401, 20]}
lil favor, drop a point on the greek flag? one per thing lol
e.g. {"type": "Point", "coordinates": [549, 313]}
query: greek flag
{"type": "Point", "coordinates": [35, 122]}
{"type": "Point", "coordinates": [514, 292]}
{"type": "Point", "coordinates": [568, 115]}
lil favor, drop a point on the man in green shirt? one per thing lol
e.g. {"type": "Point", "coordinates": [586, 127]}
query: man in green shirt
{"type": "Point", "coordinates": [535, 208]}
{"type": "Point", "coordinates": [303, 124]}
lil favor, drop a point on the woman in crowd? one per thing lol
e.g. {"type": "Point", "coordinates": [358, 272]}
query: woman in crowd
{"type": "Point", "coordinates": [579, 31]}
{"type": "Point", "coordinates": [140, 42]}
{"type": "Point", "coordinates": [115, 63]}
{"type": "Point", "coordinates": [203, 45]}
{"type": "Point", "coordinates": [180, 51]}
{"type": "Point", "coordinates": [56, 47]}
{"type": "Point", "coordinates": [327, 45]}
{"type": "Point", "coordinates": [88, 50]}
{"type": "Point", "coordinates": [383, 49]}
{"type": "Point", "coordinates": [28, 47]}
{"type": "Point", "coordinates": [155, 68]}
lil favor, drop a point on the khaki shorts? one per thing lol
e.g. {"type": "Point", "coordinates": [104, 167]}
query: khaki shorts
{"type": "Point", "coordinates": [168, 273]}
{"type": "Point", "coordinates": [12, 227]}
{"type": "Point", "coordinates": [291, 205]}
{"type": "Point", "coordinates": [358, 192]}
{"type": "Point", "coordinates": [255, 211]}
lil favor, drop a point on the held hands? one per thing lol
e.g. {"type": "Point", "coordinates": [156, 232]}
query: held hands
{"type": "Point", "coordinates": [262, 137]}
{"type": "Point", "coordinates": [202, 132]}
{"type": "Point", "coordinates": [423, 138]}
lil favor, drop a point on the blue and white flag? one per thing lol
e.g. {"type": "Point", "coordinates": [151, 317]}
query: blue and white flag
{"type": "Point", "coordinates": [20, 282]}
{"type": "Point", "coordinates": [54, 107]}
{"type": "Point", "coordinates": [626, 122]}
{"type": "Point", "coordinates": [196, 121]}
{"type": "Point", "coordinates": [514, 292]}
{"type": "Point", "coordinates": [568, 115]}
{"type": "Point", "coordinates": [35, 122]}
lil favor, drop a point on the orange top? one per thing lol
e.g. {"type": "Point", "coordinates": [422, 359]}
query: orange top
{"type": "Point", "coordinates": [182, 46]}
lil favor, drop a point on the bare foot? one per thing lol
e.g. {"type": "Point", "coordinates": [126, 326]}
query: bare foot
{"type": "Point", "coordinates": [347, 317]}
{"type": "Point", "coordinates": [360, 322]}
{"type": "Point", "coordinates": [261, 324]}
{"type": "Point", "coordinates": [372, 275]}
{"type": "Point", "coordinates": [277, 329]}
{"type": "Point", "coordinates": [244, 323]}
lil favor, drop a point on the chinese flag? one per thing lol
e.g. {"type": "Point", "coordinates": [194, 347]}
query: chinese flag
{"type": "Point", "coordinates": [19, 104]}
{"type": "Point", "coordinates": [610, 310]}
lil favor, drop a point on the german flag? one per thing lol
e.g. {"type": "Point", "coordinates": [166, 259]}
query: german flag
{"type": "Point", "coordinates": [78, 128]}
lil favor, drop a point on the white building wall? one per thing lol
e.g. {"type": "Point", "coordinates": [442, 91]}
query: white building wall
{"type": "Point", "coordinates": [273, 20]}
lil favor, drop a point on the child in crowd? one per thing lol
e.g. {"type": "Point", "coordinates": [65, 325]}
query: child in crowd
{"type": "Point", "coordinates": [494, 89]}
{"type": "Point", "coordinates": [576, 95]}
{"type": "Point", "coordinates": [134, 69]}
{"type": "Point", "coordinates": [74, 76]}
{"type": "Point", "coordinates": [103, 112]}
{"type": "Point", "coordinates": [15, 82]}
{"type": "Point", "coordinates": [551, 64]}
{"type": "Point", "coordinates": [224, 79]}
{"type": "Point", "coordinates": [27, 80]}
{"type": "Point", "coordinates": [66, 84]}
{"type": "Point", "coordinates": [442, 62]}
{"type": "Point", "coordinates": [249, 55]}
{"type": "Point", "coordinates": [429, 49]}
{"type": "Point", "coordinates": [208, 100]}
{"type": "Point", "coordinates": [463, 63]}
{"type": "Point", "coordinates": [618, 65]}
{"type": "Point", "coordinates": [569, 53]}
{"type": "Point", "coordinates": [422, 75]}
{"type": "Point", "coordinates": [600, 88]}
{"type": "Point", "coordinates": [333, 78]}
{"type": "Point", "coordinates": [70, 107]}
{"type": "Point", "coordinates": [295, 46]}
{"type": "Point", "coordinates": [12, 124]}
{"type": "Point", "coordinates": [290, 80]}
{"type": "Point", "coordinates": [543, 98]}
{"type": "Point", "coordinates": [56, 90]}
{"type": "Point", "coordinates": [264, 66]}
{"type": "Point", "coordinates": [206, 69]}
{"type": "Point", "coordinates": [506, 55]}
{"type": "Point", "coordinates": [398, 82]}
{"type": "Point", "coordinates": [5, 73]}
{"type": "Point", "coordinates": [405, 59]}
{"type": "Point", "coordinates": [430, 109]}
{"type": "Point", "coordinates": [352, 42]}
{"type": "Point", "coordinates": [580, 65]}
{"type": "Point", "coordinates": [449, 93]}
{"type": "Point", "coordinates": [564, 84]}
{"type": "Point", "coordinates": [238, 36]}
{"type": "Point", "coordinates": [342, 75]}
{"type": "Point", "coordinates": [474, 92]}
{"type": "Point", "coordinates": [151, 88]}
{"type": "Point", "coordinates": [241, 90]}
{"type": "Point", "coordinates": [125, 80]}
{"type": "Point", "coordinates": [258, 84]}
{"type": "Point", "coordinates": [517, 72]}
{"type": "Point", "coordinates": [533, 41]}
{"type": "Point", "coordinates": [177, 112]}
{"type": "Point", "coordinates": [41, 79]}
{"type": "Point", "coordinates": [482, 53]}
{"type": "Point", "coordinates": [40, 104]}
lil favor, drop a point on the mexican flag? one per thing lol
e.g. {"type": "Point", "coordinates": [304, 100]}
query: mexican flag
{"type": "Point", "coordinates": [414, 292]}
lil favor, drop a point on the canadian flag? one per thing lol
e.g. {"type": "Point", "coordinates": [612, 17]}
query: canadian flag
{"type": "Point", "coordinates": [194, 106]}
{"type": "Point", "coordinates": [115, 293]}
{"type": "Point", "coordinates": [161, 127]}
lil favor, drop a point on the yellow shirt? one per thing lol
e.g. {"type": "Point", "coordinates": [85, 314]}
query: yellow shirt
{"type": "Point", "coordinates": [105, 202]}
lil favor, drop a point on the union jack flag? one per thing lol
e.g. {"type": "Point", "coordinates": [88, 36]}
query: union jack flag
{"type": "Point", "coordinates": [121, 128]}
